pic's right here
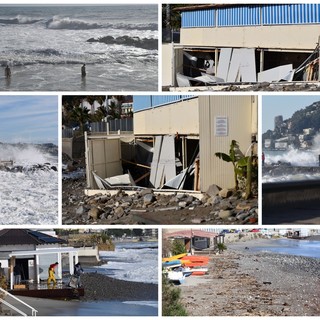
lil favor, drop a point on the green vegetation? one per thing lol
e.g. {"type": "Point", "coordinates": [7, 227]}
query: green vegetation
{"type": "Point", "coordinates": [171, 300]}
{"type": "Point", "coordinates": [178, 247]}
{"type": "Point", "coordinates": [221, 247]}
{"type": "Point", "coordinates": [76, 114]}
{"type": "Point", "coordinates": [244, 167]}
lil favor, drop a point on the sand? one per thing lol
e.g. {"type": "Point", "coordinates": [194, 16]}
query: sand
{"type": "Point", "coordinates": [241, 282]}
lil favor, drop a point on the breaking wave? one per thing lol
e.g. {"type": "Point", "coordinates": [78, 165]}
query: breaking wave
{"type": "Point", "coordinates": [73, 24]}
{"type": "Point", "coordinates": [20, 20]}
{"type": "Point", "coordinates": [70, 24]}
{"type": "Point", "coordinates": [147, 26]}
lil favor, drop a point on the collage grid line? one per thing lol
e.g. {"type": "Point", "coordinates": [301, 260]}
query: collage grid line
{"type": "Point", "coordinates": [87, 229]}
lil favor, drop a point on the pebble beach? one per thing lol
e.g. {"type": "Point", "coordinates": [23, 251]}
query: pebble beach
{"type": "Point", "coordinates": [242, 282]}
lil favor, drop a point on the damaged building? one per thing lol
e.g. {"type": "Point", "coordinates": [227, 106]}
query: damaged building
{"type": "Point", "coordinates": [173, 143]}
{"type": "Point", "coordinates": [243, 43]}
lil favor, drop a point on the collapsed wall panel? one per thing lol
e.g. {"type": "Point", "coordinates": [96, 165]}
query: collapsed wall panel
{"type": "Point", "coordinates": [163, 166]}
{"type": "Point", "coordinates": [275, 74]}
{"type": "Point", "coordinates": [242, 66]}
{"type": "Point", "coordinates": [103, 156]}
{"type": "Point", "coordinates": [224, 61]}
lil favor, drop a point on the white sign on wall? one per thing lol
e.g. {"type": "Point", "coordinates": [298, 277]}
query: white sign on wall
{"type": "Point", "coordinates": [221, 126]}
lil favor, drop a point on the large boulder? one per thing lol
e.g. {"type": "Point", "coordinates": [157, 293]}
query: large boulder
{"type": "Point", "coordinates": [225, 193]}
{"type": "Point", "coordinates": [213, 190]}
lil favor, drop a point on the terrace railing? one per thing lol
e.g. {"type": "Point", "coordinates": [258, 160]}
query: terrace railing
{"type": "Point", "coordinates": [4, 293]}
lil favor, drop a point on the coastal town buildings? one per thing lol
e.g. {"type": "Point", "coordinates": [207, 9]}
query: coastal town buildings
{"type": "Point", "coordinates": [288, 133]}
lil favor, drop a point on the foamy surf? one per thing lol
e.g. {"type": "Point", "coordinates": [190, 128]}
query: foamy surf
{"type": "Point", "coordinates": [29, 196]}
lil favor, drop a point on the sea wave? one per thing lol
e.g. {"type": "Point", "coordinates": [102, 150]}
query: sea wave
{"type": "Point", "coordinates": [146, 26]}
{"type": "Point", "coordinates": [20, 20]}
{"type": "Point", "coordinates": [144, 43]}
{"type": "Point", "coordinates": [70, 24]}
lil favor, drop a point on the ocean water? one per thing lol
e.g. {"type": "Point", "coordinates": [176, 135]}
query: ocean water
{"type": "Point", "coordinates": [297, 158]}
{"type": "Point", "coordinates": [305, 248]}
{"type": "Point", "coordinates": [45, 46]}
{"type": "Point", "coordinates": [132, 261]}
{"type": "Point", "coordinates": [29, 197]}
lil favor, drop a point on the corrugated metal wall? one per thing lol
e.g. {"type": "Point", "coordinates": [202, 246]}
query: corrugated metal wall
{"type": "Point", "coordinates": [239, 16]}
{"type": "Point", "coordinates": [290, 14]}
{"type": "Point", "coordinates": [198, 18]}
{"type": "Point", "coordinates": [239, 113]}
{"type": "Point", "coordinates": [273, 14]}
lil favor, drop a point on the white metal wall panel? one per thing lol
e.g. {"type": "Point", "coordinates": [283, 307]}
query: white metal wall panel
{"type": "Point", "coordinates": [152, 101]}
{"type": "Point", "coordinates": [104, 157]}
{"type": "Point", "coordinates": [271, 37]}
{"type": "Point", "coordinates": [181, 117]}
{"type": "Point", "coordinates": [239, 113]}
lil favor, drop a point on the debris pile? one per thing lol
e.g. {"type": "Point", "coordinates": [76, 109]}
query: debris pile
{"type": "Point", "coordinates": [160, 207]}
{"type": "Point", "coordinates": [236, 70]}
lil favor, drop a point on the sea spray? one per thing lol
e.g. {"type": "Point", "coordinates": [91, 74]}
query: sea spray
{"type": "Point", "coordinates": [29, 187]}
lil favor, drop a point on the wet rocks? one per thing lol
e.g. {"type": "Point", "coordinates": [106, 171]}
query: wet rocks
{"type": "Point", "coordinates": [29, 168]}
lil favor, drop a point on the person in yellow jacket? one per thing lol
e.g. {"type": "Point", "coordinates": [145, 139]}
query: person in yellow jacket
{"type": "Point", "coordinates": [51, 273]}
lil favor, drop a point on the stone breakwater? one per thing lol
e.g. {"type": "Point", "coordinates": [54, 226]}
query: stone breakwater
{"type": "Point", "coordinates": [28, 168]}
{"type": "Point", "coordinates": [148, 206]}
{"type": "Point", "coordinates": [101, 287]}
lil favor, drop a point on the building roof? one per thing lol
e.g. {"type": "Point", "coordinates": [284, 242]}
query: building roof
{"type": "Point", "coordinates": [26, 236]}
{"type": "Point", "coordinates": [187, 234]}
{"type": "Point", "coordinates": [211, 6]}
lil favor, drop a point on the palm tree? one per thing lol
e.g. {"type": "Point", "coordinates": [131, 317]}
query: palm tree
{"type": "Point", "coordinates": [81, 116]}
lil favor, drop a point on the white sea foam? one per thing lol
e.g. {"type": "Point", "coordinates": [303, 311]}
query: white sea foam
{"type": "Point", "coordinates": [295, 157]}
{"type": "Point", "coordinates": [134, 264]}
{"type": "Point", "coordinates": [28, 197]}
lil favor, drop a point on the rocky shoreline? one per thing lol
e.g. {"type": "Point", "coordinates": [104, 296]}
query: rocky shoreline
{"type": "Point", "coordinates": [151, 207]}
{"type": "Point", "coordinates": [29, 168]}
{"type": "Point", "coordinates": [283, 169]}
{"type": "Point", "coordinates": [245, 283]}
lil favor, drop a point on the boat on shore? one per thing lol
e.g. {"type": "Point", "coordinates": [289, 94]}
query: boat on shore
{"type": "Point", "coordinates": [176, 276]}
{"type": "Point", "coordinates": [176, 257]}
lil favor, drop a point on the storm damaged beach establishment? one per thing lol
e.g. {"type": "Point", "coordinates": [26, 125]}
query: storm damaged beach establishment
{"type": "Point", "coordinates": [248, 47]}
{"type": "Point", "coordinates": [186, 160]}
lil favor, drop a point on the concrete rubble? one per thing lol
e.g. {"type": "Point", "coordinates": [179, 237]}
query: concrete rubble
{"type": "Point", "coordinates": [150, 206]}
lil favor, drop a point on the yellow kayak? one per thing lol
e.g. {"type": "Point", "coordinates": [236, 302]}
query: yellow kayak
{"type": "Point", "coordinates": [176, 257]}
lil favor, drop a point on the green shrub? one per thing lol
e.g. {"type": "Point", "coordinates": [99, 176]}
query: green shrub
{"type": "Point", "coordinates": [171, 300]}
{"type": "Point", "coordinates": [178, 247]}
